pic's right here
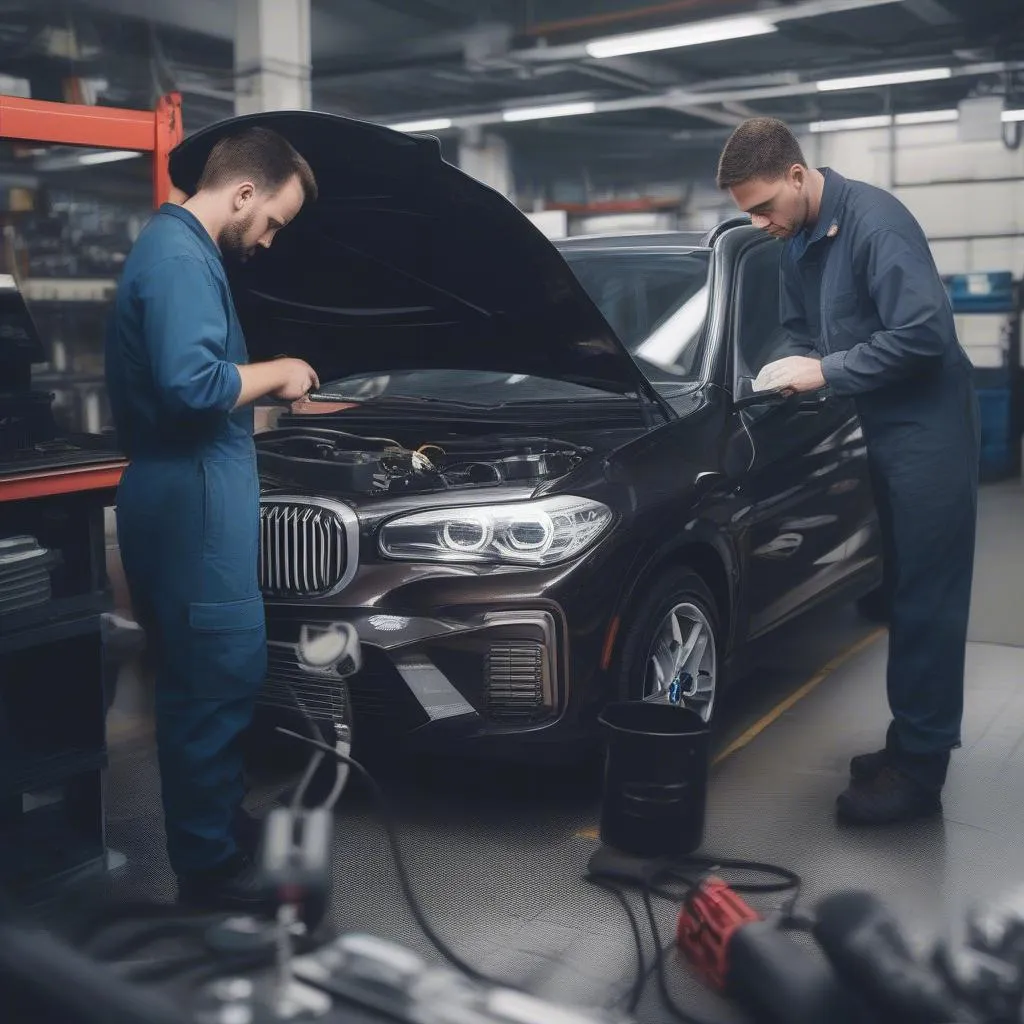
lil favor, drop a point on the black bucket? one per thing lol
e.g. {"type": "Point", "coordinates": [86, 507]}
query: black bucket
{"type": "Point", "coordinates": [655, 779]}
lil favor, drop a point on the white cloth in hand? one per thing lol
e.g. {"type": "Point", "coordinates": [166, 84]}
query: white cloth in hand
{"type": "Point", "coordinates": [767, 379]}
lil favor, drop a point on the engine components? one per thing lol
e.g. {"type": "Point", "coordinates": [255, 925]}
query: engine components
{"type": "Point", "coordinates": [349, 464]}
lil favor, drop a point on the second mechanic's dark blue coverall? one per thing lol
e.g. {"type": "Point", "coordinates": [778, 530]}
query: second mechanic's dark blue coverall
{"type": "Point", "coordinates": [861, 289]}
{"type": "Point", "coordinates": [188, 522]}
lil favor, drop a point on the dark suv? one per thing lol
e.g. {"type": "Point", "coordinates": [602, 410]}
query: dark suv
{"type": "Point", "coordinates": [540, 478]}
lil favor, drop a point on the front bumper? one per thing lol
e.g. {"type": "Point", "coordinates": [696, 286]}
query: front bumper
{"type": "Point", "coordinates": [494, 676]}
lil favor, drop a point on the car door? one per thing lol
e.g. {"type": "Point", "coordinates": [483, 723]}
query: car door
{"type": "Point", "coordinates": [805, 511]}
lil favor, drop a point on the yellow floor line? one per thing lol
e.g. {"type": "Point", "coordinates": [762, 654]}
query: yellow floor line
{"type": "Point", "coordinates": [794, 698]}
{"type": "Point", "coordinates": [746, 738]}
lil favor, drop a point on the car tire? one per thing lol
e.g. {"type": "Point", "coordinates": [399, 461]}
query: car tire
{"type": "Point", "coordinates": [681, 594]}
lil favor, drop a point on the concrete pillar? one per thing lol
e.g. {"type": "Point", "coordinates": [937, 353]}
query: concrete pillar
{"type": "Point", "coordinates": [488, 159]}
{"type": "Point", "coordinates": [272, 55]}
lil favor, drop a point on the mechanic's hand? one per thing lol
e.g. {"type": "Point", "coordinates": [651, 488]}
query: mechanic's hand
{"type": "Point", "coordinates": [792, 375]}
{"type": "Point", "coordinates": [299, 378]}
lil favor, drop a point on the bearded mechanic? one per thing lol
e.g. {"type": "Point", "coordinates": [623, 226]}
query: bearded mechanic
{"type": "Point", "coordinates": [865, 314]}
{"type": "Point", "coordinates": [181, 391]}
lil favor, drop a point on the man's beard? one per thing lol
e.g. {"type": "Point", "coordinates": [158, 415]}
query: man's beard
{"type": "Point", "coordinates": [232, 240]}
{"type": "Point", "coordinates": [803, 221]}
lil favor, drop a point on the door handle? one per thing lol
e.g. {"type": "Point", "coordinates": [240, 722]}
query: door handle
{"type": "Point", "coordinates": [813, 401]}
{"type": "Point", "coordinates": [704, 483]}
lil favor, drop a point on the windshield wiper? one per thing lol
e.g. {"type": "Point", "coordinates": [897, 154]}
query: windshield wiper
{"type": "Point", "coordinates": [397, 401]}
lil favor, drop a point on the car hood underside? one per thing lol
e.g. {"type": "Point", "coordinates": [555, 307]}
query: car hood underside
{"type": "Point", "coordinates": [406, 263]}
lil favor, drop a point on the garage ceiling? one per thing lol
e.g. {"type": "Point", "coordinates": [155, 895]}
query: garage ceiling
{"type": "Point", "coordinates": [468, 61]}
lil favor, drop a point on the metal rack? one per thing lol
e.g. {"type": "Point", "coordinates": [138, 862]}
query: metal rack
{"type": "Point", "coordinates": [52, 695]}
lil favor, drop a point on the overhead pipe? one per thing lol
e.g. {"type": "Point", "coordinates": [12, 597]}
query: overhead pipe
{"type": "Point", "coordinates": [774, 15]}
{"type": "Point", "coordinates": [684, 99]}
{"type": "Point", "coordinates": [445, 50]}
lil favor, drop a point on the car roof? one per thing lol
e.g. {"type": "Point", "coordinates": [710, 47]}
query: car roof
{"type": "Point", "coordinates": [670, 241]}
{"type": "Point", "coordinates": [688, 240]}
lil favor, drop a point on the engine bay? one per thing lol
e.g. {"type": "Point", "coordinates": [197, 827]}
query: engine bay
{"type": "Point", "coordinates": [319, 458]}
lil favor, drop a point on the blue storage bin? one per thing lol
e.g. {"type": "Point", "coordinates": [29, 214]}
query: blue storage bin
{"type": "Point", "coordinates": [997, 456]}
{"type": "Point", "coordinates": [995, 414]}
{"type": "Point", "coordinates": [981, 293]}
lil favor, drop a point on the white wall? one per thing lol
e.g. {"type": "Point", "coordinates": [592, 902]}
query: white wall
{"type": "Point", "coordinates": [971, 211]}
{"type": "Point", "coordinates": [622, 223]}
{"type": "Point", "coordinates": [552, 223]}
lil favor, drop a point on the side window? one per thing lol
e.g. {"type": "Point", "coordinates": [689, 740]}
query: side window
{"type": "Point", "coordinates": [758, 334]}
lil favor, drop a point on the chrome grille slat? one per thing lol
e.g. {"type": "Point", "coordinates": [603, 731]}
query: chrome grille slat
{"type": "Point", "coordinates": [303, 558]}
{"type": "Point", "coordinates": [308, 547]}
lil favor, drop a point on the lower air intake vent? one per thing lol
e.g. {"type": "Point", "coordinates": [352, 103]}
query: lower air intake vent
{"type": "Point", "coordinates": [515, 681]}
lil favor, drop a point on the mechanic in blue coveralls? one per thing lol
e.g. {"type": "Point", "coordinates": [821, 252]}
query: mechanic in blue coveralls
{"type": "Point", "coordinates": [181, 391]}
{"type": "Point", "coordinates": [866, 314]}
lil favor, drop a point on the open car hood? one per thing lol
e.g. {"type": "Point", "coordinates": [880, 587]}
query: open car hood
{"type": "Point", "coordinates": [405, 263]}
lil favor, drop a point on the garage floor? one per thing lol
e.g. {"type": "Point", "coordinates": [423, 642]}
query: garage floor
{"type": "Point", "coordinates": [497, 858]}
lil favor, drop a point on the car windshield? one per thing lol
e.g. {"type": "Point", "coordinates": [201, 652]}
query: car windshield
{"type": "Point", "coordinates": [655, 301]}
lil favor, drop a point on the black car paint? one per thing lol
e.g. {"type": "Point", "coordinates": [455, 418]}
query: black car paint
{"type": "Point", "coordinates": [687, 492]}
{"type": "Point", "coordinates": [666, 516]}
{"type": "Point", "coordinates": [691, 491]}
{"type": "Point", "coordinates": [691, 479]}
{"type": "Point", "coordinates": [401, 253]}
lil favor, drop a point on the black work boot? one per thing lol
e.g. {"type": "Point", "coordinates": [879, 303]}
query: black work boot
{"type": "Point", "coordinates": [235, 885]}
{"type": "Point", "coordinates": [906, 787]}
{"type": "Point", "coordinates": [864, 767]}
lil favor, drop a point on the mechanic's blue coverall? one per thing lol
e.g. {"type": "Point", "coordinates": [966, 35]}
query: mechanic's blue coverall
{"type": "Point", "coordinates": [861, 289]}
{"type": "Point", "coordinates": [188, 522]}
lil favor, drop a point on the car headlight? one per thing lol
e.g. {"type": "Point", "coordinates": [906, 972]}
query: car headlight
{"type": "Point", "coordinates": [525, 533]}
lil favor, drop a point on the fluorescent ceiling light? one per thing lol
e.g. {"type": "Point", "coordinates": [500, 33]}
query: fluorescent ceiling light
{"type": "Point", "coordinates": [696, 34]}
{"type": "Point", "coordinates": [554, 110]}
{"type": "Point", "coordinates": [437, 124]}
{"type": "Point", "coordinates": [885, 121]}
{"type": "Point", "coordinates": [928, 117]}
{"type": "Point", "coordinates": [851, 123]}
{"type": "Point", "coordinates": [883, 78]}
{"type": "Point", "coordinates": [1009, 116]}
{"type": "Point", "coordinates": [108, 156]}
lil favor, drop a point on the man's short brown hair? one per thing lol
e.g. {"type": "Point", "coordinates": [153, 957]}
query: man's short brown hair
{"type": "Point", "coordinates": [760, 148]}
{"type": "Point", "coordinates": [261, 156]}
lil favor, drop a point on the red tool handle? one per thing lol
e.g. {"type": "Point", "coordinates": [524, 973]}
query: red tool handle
{"type": "Point", "coordinates": [708, 920]}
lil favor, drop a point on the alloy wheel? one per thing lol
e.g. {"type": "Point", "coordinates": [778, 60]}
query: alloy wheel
{"type": "Point", "coordinates": [682, 666]}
